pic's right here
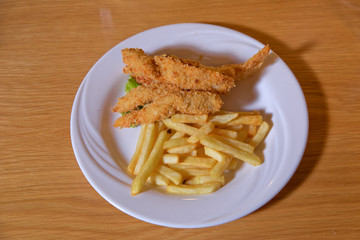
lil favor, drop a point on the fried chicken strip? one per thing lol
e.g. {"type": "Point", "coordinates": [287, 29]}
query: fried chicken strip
{"type": "Point", "coordinates": [188, 74]}
{"type": "Point", "coordinates": [162, 101]}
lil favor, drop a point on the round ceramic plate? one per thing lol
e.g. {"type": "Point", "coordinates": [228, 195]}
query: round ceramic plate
{"type": "Point", "coordinates": [103, 152]}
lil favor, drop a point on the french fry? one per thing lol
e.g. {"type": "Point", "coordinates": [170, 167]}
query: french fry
{"type": "Point", "coordinates": [235, 152]}
{"type": "Point", "coordinates": [222, 112]}
{"type": "Point", "coordinates": [205, 179]}
{"type": "Point", "coordinates": [242, 134]}
{"type": "Point", "coordinates": [232, 165]}
{"type": "Point", "coordinates": [198, 125]}
{"type": "Point", "coordinates": [187, 170]}
{"type": "Point", "coordinates": [170, 158]}
{"type": "Point", "coordinates": [193, 153]}
{"type": "Point", "coordinates": [181, 127]}
{"type": "Point", "coordinates": [185, 118]}
{"type": "Point", "coordinates": [201, 162]}
{"type": "Point", "coordinates": [246, 120]}
{"type": "Point", "coordinates": [222, 119]}
{"type": "Point", "coordinates": [195, 171]}
{"type": "Point", "coordinates": [235, 128]}
{"type": "Point", "coordinates": [204, 130]}
{"type": "Point", "coordinates": [194, 189]}
{"type": "Point", "coordinates": [150, 164]}
{"type": "Point", "coordinates": [235, 143]}
{"type": "Point", "coordinates": [139, 145]}
{"type": "Point", "coordinates": [175, 143]}
{"type": "Point", "coordinates": [178, 135]}
{"type": "Point", "coordinates": [218, 156]}
{"type": "Point", "coordinates": [226, 133]}
{"type": "Point", "coordinates": [161, 126]}
{"type": "Point", "coordinates": [248, 113]}
{"type": "Point", "coordinates": [219, 168]}
{"type": "Point", "coordinates": [178, 166]}
{"type": "Point", "coordinates": [182, 149]}
{"type": "Point", "coordinates": [260, 135]}
{"type": "Point", "coordinates": [171, 174]}
{"type": "Point", "coordinates": [201, 151]}
{"type": "Point", "coordinates": [149, 140]}
{"type": "Point", "coordinates": [158, 179]}
{"type": "Point", "coordinates": [252, 130]}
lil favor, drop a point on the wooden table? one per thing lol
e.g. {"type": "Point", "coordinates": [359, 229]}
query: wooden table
{"type": "Point", "coordinates": [47, 47]}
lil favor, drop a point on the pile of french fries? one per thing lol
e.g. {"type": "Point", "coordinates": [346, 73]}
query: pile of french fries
{"type": "Point", "coordinates": [189, 154]}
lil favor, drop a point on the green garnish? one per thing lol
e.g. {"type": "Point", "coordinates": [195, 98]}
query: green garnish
{"type": "Point", "coordinates": [123, 113]}
{"type": "Point", "coordinates": [131, 83]}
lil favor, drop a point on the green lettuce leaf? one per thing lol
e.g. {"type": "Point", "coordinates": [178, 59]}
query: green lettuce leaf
{"type": "Point", "coordinates": [131, 83]}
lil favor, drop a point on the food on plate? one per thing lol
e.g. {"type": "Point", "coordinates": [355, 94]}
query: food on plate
{"type": "Point", "coordinates": [161, 102]}
{"type": "Point", "coordinates": [188, 74]}
{"type": "Point", "coordinates": [197, 159]}
{"type": "Point", "coordinates": [186, 142]}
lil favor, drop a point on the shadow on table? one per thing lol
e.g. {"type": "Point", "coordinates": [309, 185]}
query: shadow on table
{"type": "Point", "coordinates": [315, 98]}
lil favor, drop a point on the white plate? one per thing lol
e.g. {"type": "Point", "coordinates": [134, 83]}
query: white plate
{"type": "Point", "coordinates": [103, 151]}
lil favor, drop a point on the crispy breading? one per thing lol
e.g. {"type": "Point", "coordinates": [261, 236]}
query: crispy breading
{"type": "Point", "coordinates": [188, 74]}
{"type": "Point", "coordinates": [242, 71]}
{"type": "Point", "coordinates": [138, 62]}
{"type": "Point", "coordinates": [162, 101]}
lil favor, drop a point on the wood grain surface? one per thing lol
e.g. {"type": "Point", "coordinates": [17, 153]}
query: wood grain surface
{"type": "Point", "coordinates": [46, 49]}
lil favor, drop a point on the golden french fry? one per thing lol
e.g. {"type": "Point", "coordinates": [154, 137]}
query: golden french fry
{"type": "Point", "coordinates": [249, 113]}
{"type": "Point", "coordinates": [222, 119]}
{"type": "Point", "coordinates": [219, 168]}
{"type": "Point", "coordinates": [139, 144]}
{"type": "Point", "coordinates": [149, 140]}
{"type": "Point", "coordinates": [236, 128]}
{"type": "Point", "coordinates": [198, 125]}
{"type": "Point", "coordinates": [186, 118]}
{"type": "Point", "coordinates": [205, 179]}
{"type": "Point", "coordinates": [246, 120]}
{"type": "Point", "coordinates": [206, 129]}
{"type": "Point", "coordinates": [161, 126]}
{"type": "Point", "coordinates": [181, 127]}
{"type": "Point", "coordinates": [243, 133]}
{"type": "Point", "coordinates": [177, 166]}
{"type": "Point", "coordinates": [194, 189]}
{"type": "Point", "coordinates": [178, 135]}
{"type": "Point", "coordinates": [222, 112]}
{"type": "Point", "coordinates": [187, 170]}
{"type": "Point", "coordinates": [171, 174]}
{"type": "Point", "coordinates": [218, 156]}
{"type": "Point", "coordinates": [193, 153]}
{"type": "Point", "coordinates": [232, 165]}
{"type": "Point", "coordinates": [150, 164]}
{"type": "Point", "coordinates": [252, 130]}
{"type": "Point", "coordinates": [175, 143]}
{"type": "Point", "coordinates": [260, 135]}
{"type": "Point", "coordinates": [182, 149]}
{"type": "Point", "coordinates": [201, 151]}
{"type": "Point", "coordinates": [235, 143]}
{"type": "Point", "coordinates": [170, 158]}
{"type": "Point", "coordinates": [158, 179]}
{"type": "Point", "coordinates": [226, 133]}
{"type": "Point", "coordinates": [233, 151]}
{"type": "Point", "coordinates": [201, 162]}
